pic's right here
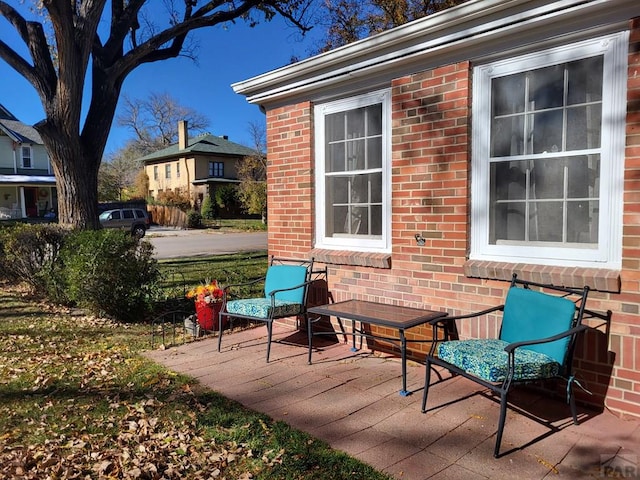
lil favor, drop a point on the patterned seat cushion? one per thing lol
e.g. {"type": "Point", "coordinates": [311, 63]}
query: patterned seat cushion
{"type": "Point", "coordinates": [261, 308]}
{"type": "Point", "coordinates": [487, 359]}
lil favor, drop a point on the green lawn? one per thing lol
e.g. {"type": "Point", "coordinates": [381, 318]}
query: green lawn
{"type": "Point", "coordinates": [78, 400]}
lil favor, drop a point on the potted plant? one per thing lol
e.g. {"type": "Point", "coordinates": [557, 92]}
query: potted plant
{"type": "Point", "coordinates": [208, 301]}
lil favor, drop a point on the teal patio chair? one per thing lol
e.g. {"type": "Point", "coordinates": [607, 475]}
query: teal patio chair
{"type": "Point", "coordinates": [536, 342]}
{"type": "Point", "coordinates": [286, 285]}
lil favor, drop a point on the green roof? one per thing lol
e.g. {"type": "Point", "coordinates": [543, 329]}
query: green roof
{"type": "Point", "coordinates": [206, 144]}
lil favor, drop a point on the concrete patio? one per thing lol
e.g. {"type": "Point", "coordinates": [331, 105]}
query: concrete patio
{"type": "Point", "coordinates": [351, 401]}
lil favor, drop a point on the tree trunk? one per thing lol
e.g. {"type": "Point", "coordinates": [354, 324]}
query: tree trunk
{"type": "Point", "coordinates": [76, 179]}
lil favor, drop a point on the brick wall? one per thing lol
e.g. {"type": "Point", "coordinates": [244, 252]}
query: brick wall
{"type": "Point", "coordinates": [430, 182]}
{"type": "Point", "coordinates": [290, 180]}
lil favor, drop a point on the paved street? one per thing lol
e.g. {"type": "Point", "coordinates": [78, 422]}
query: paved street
{"type": "Point", "coordinates": [173, 243]}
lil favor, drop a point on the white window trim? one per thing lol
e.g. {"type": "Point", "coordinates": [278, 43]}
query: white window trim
{"type": "Point", "coordinates": [381, 244]}
{"type": "Point", "coordinates": [22, 147]}
{"type": "Point", "coordinates": [608, 254]}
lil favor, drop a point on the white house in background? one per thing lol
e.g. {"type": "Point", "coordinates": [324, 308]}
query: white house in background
{"type": "Point", "coordinates": [27, 183]}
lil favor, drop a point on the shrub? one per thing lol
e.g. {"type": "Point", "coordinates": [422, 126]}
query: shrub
{"type": "Point", "coordinates": [109, 272]}
{"type": "Point", "coordinates": [29, 253]}
{"type": "Point", "coordinates": [174, 199]}
{"type": "Point", "coordinates": [194, 219]}
{"type": "Point", "coordinates": [207, 208]}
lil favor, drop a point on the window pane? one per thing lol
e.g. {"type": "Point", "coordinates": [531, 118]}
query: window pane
{"type": "Point", "coordinates": [508, 222]}
{"type": "Point", "coordinates": [585, 81]}
{"type": "Point", "coordinates": [583, 127]}
{"type": "Point", "coordinates": [582, 222]}
{"type": "Point", "coordinates": [374, 152]}
{"type": "Point", "coordinates": [546, 222]}
{"type": "Point", "coordinates": [583, 177]}
{"type": "Point", "coordinates": [507, 136]}
{"type": "Point", "coordinates": [376, 220]}
{"type": "Point", "coordinates": [355, 123]}
{"type": "Point", "coordinates": [546, 132]}
{"type": "Point", "coordinates": [547, 178]}
{"type": "Point", "coordinates": [546, 87]}
{"type": "Point", "coordinates": [336, 217]}
{"type": "Point", "coordinates": [508, 181]}
{"type": "Point", "coordinates": [335, 158]}
{"type": "Point", "coordinates": [337, 190]}
{"type": "Point", "coordinates": [334, 127]}
{"type": "Point", "coordinates": [508, 94]}
{"type": "Point", "coordinates": [376, 187]}
{"type": "Point", "coordinates": [355, 155]}
{"type": "Point", "coordinates": [374, 120]}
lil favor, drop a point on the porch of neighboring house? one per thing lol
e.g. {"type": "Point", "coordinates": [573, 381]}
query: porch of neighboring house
{"type": "Point", "coordinates": [26, 201]}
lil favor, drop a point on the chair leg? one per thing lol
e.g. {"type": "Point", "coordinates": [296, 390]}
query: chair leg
{"type": "Point", "coordinates": [572, 403]}
{"type": "Point", "coordinates": [503, 416]}
{"type": "Point", "coordinates": [427, 381]}
{"type": "Point", "coordinates": [219, 330]}
{"type": "Point", "coordinates": [269, 331]}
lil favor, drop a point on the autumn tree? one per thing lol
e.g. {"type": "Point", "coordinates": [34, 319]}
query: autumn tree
{"type": "Point", "coordinates": [252, 173]}
{"type": "Point", "coordinates": [346, 21]}
{"type": "Point", "coordinates": [117, 175]}
{"type": "Point", "coordinates": [100, 43]}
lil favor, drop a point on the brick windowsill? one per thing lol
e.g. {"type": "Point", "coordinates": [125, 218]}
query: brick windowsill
{"type": "Point", "coordinates": [577, 277]}
{"type": "Point", "coordinates": [344, 257]}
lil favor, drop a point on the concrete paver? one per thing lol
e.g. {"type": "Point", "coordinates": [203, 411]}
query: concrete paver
{"type": "Point", "coordinates": [351, 401]}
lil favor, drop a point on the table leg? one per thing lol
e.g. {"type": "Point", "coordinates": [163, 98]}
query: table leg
{"type": "Point", "coordinates": [353, 330]}
{"type": "Point", "coordinates": [403, 354]}
{"type": "Point", "coordinates": [310, 336]}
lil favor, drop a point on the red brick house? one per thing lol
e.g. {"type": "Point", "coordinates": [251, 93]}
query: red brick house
{"type": "Point", "coordinates": [427, 164]}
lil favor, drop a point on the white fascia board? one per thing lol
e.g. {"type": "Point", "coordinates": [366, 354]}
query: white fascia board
{"type": "Point", "coordinates": [48, 179]}
{"type": "Point", "coordinates": [453, 29]}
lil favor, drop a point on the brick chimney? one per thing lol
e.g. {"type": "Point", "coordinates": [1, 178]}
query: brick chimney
{"type": "Point", "coordinates": [183, 134]}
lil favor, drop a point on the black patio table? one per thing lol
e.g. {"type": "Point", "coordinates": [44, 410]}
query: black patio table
{"type": "Point", "coordinates": [397, 317]}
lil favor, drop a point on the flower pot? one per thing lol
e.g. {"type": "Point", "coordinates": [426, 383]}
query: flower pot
{"type": "Point", "coordinates": [207, 314]}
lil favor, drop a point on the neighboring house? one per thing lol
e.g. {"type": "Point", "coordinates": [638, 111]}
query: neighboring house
{"type": "Point", "coordinates": [428, 163]}
{"type": "Point", "coordinates": [194, 166]}
{"type": "Point", "coordinates": [27, 183]}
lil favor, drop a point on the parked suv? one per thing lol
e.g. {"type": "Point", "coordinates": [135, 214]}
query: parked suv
{"type": "Point", "coordinates": [135, 220]}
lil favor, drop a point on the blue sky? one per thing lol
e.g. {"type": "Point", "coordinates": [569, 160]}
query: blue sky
{"type": "Point", "coordinates": [226, 55]}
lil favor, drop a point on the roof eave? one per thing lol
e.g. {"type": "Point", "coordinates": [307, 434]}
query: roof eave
{"type": "Point", "coordinates": [447, 32]}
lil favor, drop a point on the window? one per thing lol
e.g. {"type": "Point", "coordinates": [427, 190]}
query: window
{"type": "Point", "coordinates": [128, 214]}
{"type": "Point", "coordinates": [178, 170]}
{"type": "Point", "coordinates": [216, 169]}
{"type": "Point", "coordinates": [167, 170]}
{"type": "Point", "coordinates": [155, 172]}
{"type": "Point", "coordinates": [548, 154]}
{"type": "Point", "coordinates": [353, 174]}
{"type": "Point", "coordinates": [26, 157]}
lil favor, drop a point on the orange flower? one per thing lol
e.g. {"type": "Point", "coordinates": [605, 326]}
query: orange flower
{"type": "Point", "coordinates": [208, 293]}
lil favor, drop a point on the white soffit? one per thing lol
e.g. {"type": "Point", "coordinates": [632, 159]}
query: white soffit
{"type": "Point", "coordinates": [454, 30]}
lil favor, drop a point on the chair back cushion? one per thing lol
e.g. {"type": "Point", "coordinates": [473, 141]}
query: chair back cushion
{"type": "Point", "coordinates": [286, 276]}
{"type": "Point", "coordinates": [529, 315]}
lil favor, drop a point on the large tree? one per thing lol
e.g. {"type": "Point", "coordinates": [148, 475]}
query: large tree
{"type": "Point", "coordinates": [346, 21]}
{"type": "Point", "coordinates": [154, 121]}
{"type": "Point", "coordinates": [80, 41]}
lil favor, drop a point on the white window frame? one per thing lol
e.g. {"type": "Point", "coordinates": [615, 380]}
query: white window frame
{"type": "Point", "coordinates": [22, 156]}
{"type": "Point", "coordinates": [167, 171]}
{"type": "Point", "coordinates": [381, 243]}
{"type": "Point", "coordinates": [608, 252]}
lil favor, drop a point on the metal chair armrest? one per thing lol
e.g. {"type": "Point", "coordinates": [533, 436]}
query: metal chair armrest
{"type": "Point", "coordinates": [512, 346]}
{"type": "Point", "coordinates": [468, 315]}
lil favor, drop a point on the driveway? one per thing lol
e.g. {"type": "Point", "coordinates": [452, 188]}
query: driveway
{"type": "Point", "coordinates": [174, 243]}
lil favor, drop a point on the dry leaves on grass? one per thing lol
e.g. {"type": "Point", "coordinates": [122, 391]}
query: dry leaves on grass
{"type": "Point", "coordinates": [66, 414]}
